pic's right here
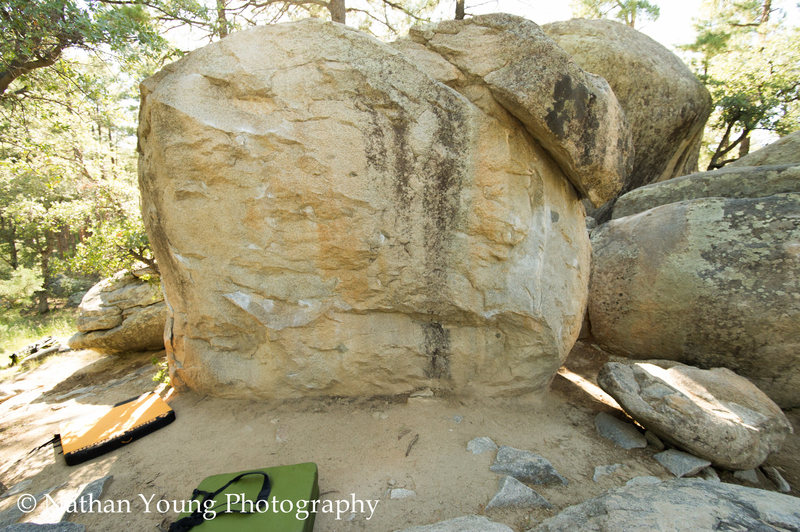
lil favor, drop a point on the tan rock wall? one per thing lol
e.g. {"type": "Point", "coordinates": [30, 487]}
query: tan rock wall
{"type": "Point", "coordinates": [329, 220]}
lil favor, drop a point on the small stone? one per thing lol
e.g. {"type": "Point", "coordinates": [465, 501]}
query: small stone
{"type": "Point", "coordinates": [458, 419]}
{"type": "Point", "coordinates": [402, 493]}
{"type": "Point", "coordinates": [681, 464]}
{"type": "Point", "coordinates": [710, 474]}
{"type": "Point", "coordinates": [526, 466]}
{"type": "Point", "coordinates": [468, 523]}
{"type": "Point", "coordinates": [481, 444]}
{"type": "Point", "coordinates": [621, 433]}
{"type": "Point", "coordinates": [777, 479]}
{"type": "Point", "coordinates": [654, 441]}
{"type": "Point", "coordinates": [748, 475]}
{"type": "Point", "coordinates": [643, 480]}
{"type": "Point", "coordinates": [514, 494]}
{"type": "Point", "coordinates": [426, 392]}
{"type": "Point", "coordinates": [92, 492]}
{"type": "Point", "coordinates": [601, 471]}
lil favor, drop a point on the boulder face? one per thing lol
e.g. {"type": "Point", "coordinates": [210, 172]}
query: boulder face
{"type": "Point", "coordinates": [711, 282]}
{"type": "Point", "coordinates": [785, 150]}
{"type": "Point", "coordinates": [714, 414]}
{"type": "Point", "coordinates": [733, 182]}
{"type": "Point", "coordinates": [123, 313]}
{"type": "Point", "coordinates": [663, 100]}
{"type": "Point", "coordinates": [573, 114]}
{"type": "Point", "coordinates": [329, 219]}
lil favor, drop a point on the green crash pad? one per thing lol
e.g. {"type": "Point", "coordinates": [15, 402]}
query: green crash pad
{"type": "Point", "coordinates": [293, 487]}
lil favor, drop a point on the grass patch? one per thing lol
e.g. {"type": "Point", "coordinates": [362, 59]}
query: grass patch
{"type": "Point", "coordinates": [20, 328]}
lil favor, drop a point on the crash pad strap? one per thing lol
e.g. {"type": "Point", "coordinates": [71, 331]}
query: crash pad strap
{"type": "Point", "coordinates": [196, 517]}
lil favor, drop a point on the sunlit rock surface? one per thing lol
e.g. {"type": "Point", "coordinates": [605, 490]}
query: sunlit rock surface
{"type": "Point", "coordinates": [331, 220]}
{"type": "Point", "coordinates": [714, 414]}
{"type": "Point", "coordinates": [122, 313]}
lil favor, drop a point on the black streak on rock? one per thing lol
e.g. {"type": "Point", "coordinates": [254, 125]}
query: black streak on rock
{"type": "Point", "coordinates": [437, 348]}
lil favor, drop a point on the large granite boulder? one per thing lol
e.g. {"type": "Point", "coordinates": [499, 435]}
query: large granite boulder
{"type": "Point", "coordinates": [329, 219]}
{"type": "Point", "coordinates": [664, 102]}
{"type": "Point", "coordinates": [573, 114]}
{"type": "Point", "coordinates": [679, 505]}
{"type": "Point", "coordinates": [714, 414]}
{"type": "Point", "coordinates": [125, 312]}
{"type": "Point", "coordinates": [728, 182]}
{"type": "Point", "coordinates": [712, 282]}
{"type": "Point", "coordinates": [785, 150]}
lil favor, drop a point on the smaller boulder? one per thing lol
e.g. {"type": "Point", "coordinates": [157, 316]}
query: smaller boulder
{"type": "Point", "coordinates": [125, 312]}
{"type": "Point", "coordinates": [714, 414]}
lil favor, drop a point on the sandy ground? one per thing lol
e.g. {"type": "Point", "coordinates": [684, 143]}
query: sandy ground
{"type": "Point", "coordinates": [363, 448]}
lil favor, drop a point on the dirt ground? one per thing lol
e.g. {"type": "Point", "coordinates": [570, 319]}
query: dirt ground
{"type": "Point", "coordinates": [363, 449]}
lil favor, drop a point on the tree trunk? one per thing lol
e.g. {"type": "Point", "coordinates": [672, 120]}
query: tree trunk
{"type": "Point", "coordinates": [222, 19]}
{"type": "Point", "coordinates": [744, 147]}
{"type": "Point", "coordinates": [766, 9]}
{"type": "Point", "coordinates": [10, 234]}
{"type": "Point", "coordinates": [459, 9]}
{"type": "Point", "coordinates": [12, 243]}
{"type": "Point", "coordinates": [338, 11]}
{"type": "Point", "coordinates": [42, 307]}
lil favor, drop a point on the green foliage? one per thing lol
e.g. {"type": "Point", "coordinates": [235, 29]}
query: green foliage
{"type": "Point", "coordinates": [114, 245]}
{"type": "Point", "coordinates": [19, 286]}
{"type": "Point", "coordinates": [162, 375]}
{"type": "Point", "coordinates": [749, 60]}
{"type": "Point", "coordinates": [626, 11]}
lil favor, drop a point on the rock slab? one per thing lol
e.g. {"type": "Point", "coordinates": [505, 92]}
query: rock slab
{"type": "Point", "coordinates": [711, 282]}
{"type": "Point", "coordinates": [368, 230]}
{"type": "Point", "coordinates": [120, 314]}
{"type": "Point", "coordinates": [728, 182]}
{"type": "Point", "coordinates": [44, 527]}
{"type": "Point", "coordinates": [681, 505]}
{"type": "Point", "coordinates": [620, 432]}
{"type": "Point", "coordinates": [664, 102]}
{"type": "Point", "coordinates": [514, 494]}
{"type": "Point", "coordinates": [468, 523]}
{"type": "Point", "coordinates": [526, 466]}
{"type": "Point", "coordinates": [713, 414]}
{"type": "Point", "coordinates": [681, 464]}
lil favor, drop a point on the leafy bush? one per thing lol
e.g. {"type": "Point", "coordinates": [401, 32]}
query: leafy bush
{"type": "Point", "coordinates": [20, 286]}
